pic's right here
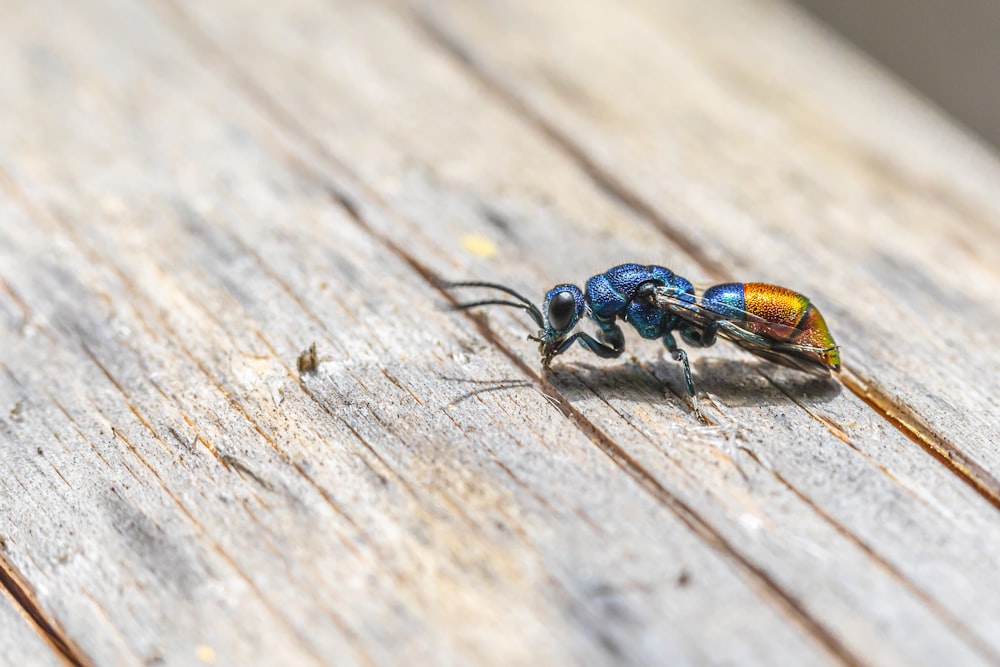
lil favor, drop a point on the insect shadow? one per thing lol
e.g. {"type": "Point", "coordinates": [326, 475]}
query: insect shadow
{"type": "Point", "coordinates": [735, 383]}
{"type": "Point", "coordinates": [484, 386]}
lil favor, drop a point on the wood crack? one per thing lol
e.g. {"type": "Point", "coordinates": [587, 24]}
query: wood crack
{"type": "Point", "coordinates": [23, 598]}
{"type": "Point", "coordinates": [913, 427]}
{"type": "Point", "coordinates": [925, 598]}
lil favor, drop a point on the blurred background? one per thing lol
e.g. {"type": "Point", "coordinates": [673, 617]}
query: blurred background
{"type": "Point", "coordinates": [949, 50]}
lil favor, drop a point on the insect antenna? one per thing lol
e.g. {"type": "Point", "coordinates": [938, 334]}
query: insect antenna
{"type": "Point", "coordinates": [524, 304]}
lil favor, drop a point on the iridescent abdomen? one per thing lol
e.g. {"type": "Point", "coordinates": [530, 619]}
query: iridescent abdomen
{"type": "Point", "coordinates": [776, 313]}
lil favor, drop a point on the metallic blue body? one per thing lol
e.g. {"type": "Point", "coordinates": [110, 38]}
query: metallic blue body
{"type": "Point", "coordinates": [612, 295]}
{"type": "Point", "coordinates": [727, 300]}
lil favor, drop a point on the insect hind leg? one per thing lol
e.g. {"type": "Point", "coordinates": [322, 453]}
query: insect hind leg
{"type": "Point", "coordinates": [680, 355]}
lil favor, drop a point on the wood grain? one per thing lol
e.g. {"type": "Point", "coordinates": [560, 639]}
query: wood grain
{"type": "Point", "coordinates": [23, 642]}
{"type": "Point", "coordinates": [198, 192]}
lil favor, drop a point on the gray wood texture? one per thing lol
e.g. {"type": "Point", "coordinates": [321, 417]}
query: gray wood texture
{"type": "Point", "coordinates": [22, 642]}
{"type": "Point", "coordinates": [193, 194]}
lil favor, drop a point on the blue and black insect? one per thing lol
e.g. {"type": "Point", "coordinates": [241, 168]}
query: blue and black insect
{"type": "Point", "coordinates": [772, 322]}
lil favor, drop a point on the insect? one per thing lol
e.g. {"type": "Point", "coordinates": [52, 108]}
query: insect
{"type": "Point", "coordinates": [771, 322]}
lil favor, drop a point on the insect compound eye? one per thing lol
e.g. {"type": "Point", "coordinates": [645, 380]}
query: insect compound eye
{"type": "Point", "coordinates": [561, 309]}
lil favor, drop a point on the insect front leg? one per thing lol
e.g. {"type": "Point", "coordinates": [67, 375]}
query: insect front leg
{"type": "Point", "coordinates": [597, 347]}
{"type": "Point", "coordinates": [610, 345]}
{"type": "Point", "coordinates": [680, 355]}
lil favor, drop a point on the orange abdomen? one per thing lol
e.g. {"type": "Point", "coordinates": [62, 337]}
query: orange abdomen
{"type": "Point", "coordinates": [778, 314]}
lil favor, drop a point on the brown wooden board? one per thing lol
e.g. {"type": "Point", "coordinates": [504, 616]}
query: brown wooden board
{"type": "Point", "coordinates": [198, 192]}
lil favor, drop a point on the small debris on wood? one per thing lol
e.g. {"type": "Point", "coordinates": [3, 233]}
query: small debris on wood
{"type": "Point", "coordinates": [308, 362]}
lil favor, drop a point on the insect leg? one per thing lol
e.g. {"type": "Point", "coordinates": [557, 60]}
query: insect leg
{"type": "Point", "coordinates": [600, 349]}
{"type": "Point", "coordinates": [680, 355]}
{"type": "Point", "coordinates": [700, 337]}
{"type": "Point", "coordinates": [692, 336]}
{"type": "Point", "coordinates": [612, 336]}
{"type": "Point", "coordinates": [595, 346]}
{"type": "Point", "coordinates": [705, 337]}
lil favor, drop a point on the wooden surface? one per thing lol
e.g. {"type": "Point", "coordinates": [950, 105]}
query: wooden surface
{"type": "Point", "coordinates": [194, 193]}
{"type": "Point", "coordinates": [22, 643]}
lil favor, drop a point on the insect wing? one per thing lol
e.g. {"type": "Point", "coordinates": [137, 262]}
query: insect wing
{"type": "Point", "coordinates": [689, 308]}
{"type": "Point", "coordinates": [791, 355]}
{"type": "Point", "coordinates": [750, 331]}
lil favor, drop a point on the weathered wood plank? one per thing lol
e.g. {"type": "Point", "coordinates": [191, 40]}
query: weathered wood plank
{"type": "Point", "coordinates": [910, 502]}
{"type": "Point", "coordinates": [194, 500]}
{"type": "Point", "coordinates": [20, 643]}
{"type": "Point", "coordinates": [171, 246]}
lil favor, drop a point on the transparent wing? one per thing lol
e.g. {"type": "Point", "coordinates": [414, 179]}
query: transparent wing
{"type": "Point", "coordinates": [695, 313]}
{"type": "Point", "coordinates": [700, 315]}
{"type": "Point", "coordinates": [792, 355]}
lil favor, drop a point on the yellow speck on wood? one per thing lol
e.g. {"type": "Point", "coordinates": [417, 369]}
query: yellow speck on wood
{"type": "Point", "coordinates": [479, 245]}
{"type": "Point", "coordinates": [206, 654]}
